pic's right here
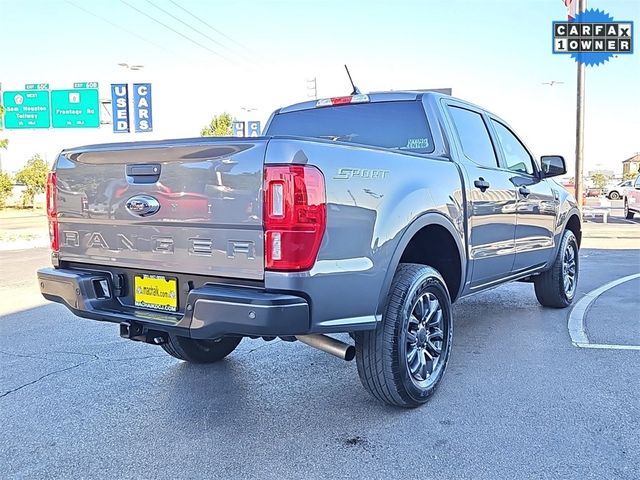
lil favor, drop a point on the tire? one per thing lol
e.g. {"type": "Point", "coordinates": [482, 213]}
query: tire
{"type": "Point", "coordinates": [394, 359]}
{"type": "Point", "coordinates": [200, 351]}
{"type": "Point", "coordinates": [556, 288]}
{"type": "Point", "coordinates": [614, 195]}
{"type": "Point", "coordinates": [628, 214]}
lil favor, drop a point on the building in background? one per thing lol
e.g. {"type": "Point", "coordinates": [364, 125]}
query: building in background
{"type": "Point", "coordinates": [631, 164]}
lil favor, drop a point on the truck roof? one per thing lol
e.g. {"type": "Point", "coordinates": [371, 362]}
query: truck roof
{"type": "Point", "coordinates": [391, 96]}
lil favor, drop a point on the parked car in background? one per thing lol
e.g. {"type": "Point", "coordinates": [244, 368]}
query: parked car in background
{"type": "Point", "coordinates": [632, 199]}
{"type": "Point", "coordinates": [616, 192]}
{"type": "Point", "coordinates": [593, 192]}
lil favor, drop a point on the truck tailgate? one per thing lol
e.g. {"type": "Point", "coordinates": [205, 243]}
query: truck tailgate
{"type": "Point", "coordinates": [207, 194]}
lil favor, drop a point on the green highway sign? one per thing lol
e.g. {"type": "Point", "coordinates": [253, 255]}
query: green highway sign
{"type": "Point", "coordinates": [36, 86]}
{"type": "Point", "coordinates": [26, 109]}
{"type": "Point", "coordinates": [85, 85]}
{"type": "Point", "coordinates": [78, 108]}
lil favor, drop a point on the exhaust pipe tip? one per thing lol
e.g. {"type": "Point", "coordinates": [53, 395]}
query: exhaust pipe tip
{"type": "Point", "coordinates": [329, 345]}
{"type": "Point", "coordinates": [350, 353]}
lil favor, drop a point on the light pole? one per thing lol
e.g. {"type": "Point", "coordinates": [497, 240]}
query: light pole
{"type": "Point", "coordinates": [130, 67]}
{"type": "Point", "coordinates": [129, 78]}
{"type": "Point", "coordinates": [246, 120]}
{"type": "Point", "coordinates": [248, 109]}
{"type": "Point", "coordinates": [312, 88]}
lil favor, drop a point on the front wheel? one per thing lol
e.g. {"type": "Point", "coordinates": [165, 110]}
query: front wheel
{"type": "Point", "coordinates": [556, 287]}
{"type": "Point", "coordinates": [200, 351]}
{"type": "Point", "coordinates": [614, 196]}
{"type": "Point", "coordinates": [402, 362]}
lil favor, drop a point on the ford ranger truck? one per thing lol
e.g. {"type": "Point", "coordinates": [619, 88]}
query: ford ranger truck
{"type": "Point", "coordinates": [367, 214]}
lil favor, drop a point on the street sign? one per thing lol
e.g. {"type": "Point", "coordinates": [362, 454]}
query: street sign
{"type": "Point", "coordinates": [120, 107]}
{"type": "Point", "coordinates": [79, 108]}
{"type": "Point", "coordinates": [85, 85]}
{"type": "Point", "coordinates": [36, 86]}
{"type": "Point", "coordinates": [26, 109]}
{"type": "Point", "coordinates": [253, 129]}
{"type": "Point", "coordinates": [142, 117]}
{"type": "Point", "coordinates": [238, 129]}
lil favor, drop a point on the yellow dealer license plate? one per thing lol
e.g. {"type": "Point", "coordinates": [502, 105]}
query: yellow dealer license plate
{"type": "Point", "coordinates": [156, 291]}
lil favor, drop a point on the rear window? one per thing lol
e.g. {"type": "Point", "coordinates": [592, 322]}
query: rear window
{"type": "Point", "coordinates": [395, 125]}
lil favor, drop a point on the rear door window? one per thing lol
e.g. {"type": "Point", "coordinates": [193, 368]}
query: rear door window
{"type": "Point", "coordinates": [474, 136]}
{"type": "Point", "coordinates": [400, 125]}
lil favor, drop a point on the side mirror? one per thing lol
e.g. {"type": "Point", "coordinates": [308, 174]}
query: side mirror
{"type": "Point", "coordinates": [553, 165]}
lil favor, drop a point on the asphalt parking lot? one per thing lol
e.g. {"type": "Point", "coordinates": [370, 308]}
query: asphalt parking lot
{"type": "Point", "coordinates": [519, 399]}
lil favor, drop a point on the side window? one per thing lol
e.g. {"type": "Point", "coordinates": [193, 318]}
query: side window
{"type": "Point", "coordinates": [515, 155]}
{"type": "Point", "coordinates": [637, 184]}
{"type": "Point", "coordinates": [474, 136]}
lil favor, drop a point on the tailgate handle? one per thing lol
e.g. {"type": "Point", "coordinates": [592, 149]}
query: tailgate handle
{"type": "Point", "coordinates": [144, 170]}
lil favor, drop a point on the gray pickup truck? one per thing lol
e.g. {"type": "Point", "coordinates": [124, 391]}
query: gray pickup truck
{"type": "Point", "coordinates": [366, 214]}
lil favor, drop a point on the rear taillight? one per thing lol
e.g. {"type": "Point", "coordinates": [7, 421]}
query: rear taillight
{"type": "Point", "coordinates": [295, 214]}
{"type": "Point", "coordinates": [52, 210]}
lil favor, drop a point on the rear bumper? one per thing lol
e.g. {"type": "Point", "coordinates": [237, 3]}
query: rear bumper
{"type": "Point", "coordinates": [211, 310]}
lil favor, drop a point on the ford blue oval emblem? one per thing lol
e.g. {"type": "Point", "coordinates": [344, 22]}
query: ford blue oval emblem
{"type": "Point", "coordinates": [142, 205]}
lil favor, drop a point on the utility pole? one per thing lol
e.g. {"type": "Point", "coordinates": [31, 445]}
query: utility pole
{"type": "Point", "coordinates": [582, 6]}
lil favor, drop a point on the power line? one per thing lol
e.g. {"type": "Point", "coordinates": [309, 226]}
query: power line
{"type": "Point", "coordinates": [210, 26]}
{"type": "Point", "coordinates": [106, 20]}
{"type": "Point", "coordinates": [186, 24]}
{"type": "Point", "coordinates": [195, 42]}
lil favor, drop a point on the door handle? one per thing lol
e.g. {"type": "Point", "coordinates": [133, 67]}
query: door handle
{"type": "Point", "coordinates": [524, 191]}
{"type": "Point", "coordinates": [482, 184]}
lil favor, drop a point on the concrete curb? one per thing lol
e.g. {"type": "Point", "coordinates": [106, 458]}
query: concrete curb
{"type": "Point", "coordinates": [579, 311]}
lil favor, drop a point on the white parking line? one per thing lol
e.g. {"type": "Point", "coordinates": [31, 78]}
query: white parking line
{"type": "Point", "coordinates": [576, 317]}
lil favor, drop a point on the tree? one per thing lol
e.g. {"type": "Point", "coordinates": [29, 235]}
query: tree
{"type": "Point", "coordinates": [630, 175]}
{"type": "Point", "coordinates": [599, 180]}
{"type": "Point", "coordinates": [220, 126]}
{"type": "Point", "coordinates": [6, 187]}
{"type": "Point", "coordinates": [34, 177]}
{"type": "Point", "coordinates": [4, 143]}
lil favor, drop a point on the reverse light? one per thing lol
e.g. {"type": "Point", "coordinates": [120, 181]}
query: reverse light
{"type": "Point", "coordinates": [52, 210]}
{"type": "Point", "coordinates": [295, 213]}
{"type": "Point", "coordinates": [328, 102]}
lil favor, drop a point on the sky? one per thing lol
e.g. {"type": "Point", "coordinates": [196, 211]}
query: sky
{"type": "Point", "coordinates": [250, 57]}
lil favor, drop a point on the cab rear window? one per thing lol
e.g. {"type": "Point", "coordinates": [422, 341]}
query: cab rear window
{"type": "Point", "coordinates": [400, 125]}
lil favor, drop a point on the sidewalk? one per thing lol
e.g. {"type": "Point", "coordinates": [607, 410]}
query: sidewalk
{"type": "Point", "coordinates": [611, 235]}
{"type": "Point", "coordinates": [21, 229]}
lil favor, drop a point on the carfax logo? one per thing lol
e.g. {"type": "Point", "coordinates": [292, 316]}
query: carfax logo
{"type": "Point", "coordinates": [593, 37]}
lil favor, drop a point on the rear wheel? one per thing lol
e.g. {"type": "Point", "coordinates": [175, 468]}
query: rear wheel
{"type": "Point", "coordinates": [200, 351]}
{"type": "Point", "coordinates": [402, 362]}
{"type": "Point", "coordinates": [556, 287]}
{"type": "Point", "coordinates": [628, 214]}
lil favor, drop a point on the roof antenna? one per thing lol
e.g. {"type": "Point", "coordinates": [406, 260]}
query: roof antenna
{"type": "Point", "coordinates": [356, 91]}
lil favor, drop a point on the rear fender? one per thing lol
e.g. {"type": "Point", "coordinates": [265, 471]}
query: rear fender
{"type": "Point", "coordinates": [431, 218]}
